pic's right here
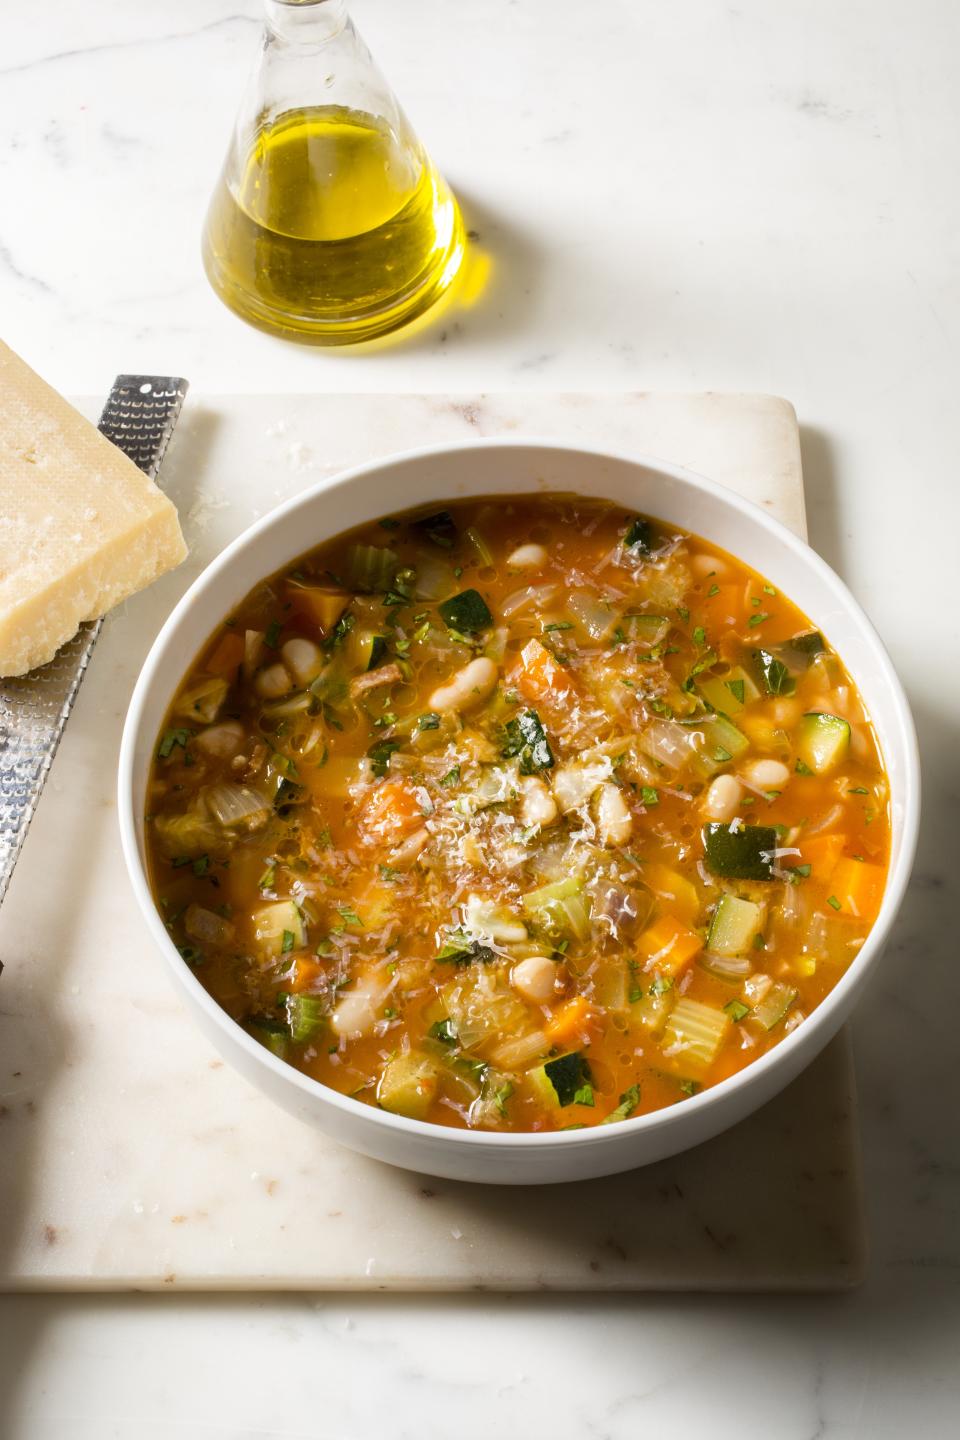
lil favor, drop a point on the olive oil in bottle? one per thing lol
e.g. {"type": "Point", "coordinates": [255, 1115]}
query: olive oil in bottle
{"type": "Point", "coordinates": [329, 222]}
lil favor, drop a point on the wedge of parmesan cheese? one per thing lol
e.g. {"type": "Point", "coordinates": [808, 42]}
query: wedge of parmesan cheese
{"type": "Point", "coordinates": [81, 528]}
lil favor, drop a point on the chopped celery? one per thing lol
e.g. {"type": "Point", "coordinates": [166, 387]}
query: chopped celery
{"type": "Point", "coordinates": [203, 701]}
{"type": "Point", "coordinates": [773, 1008]}
{"type": "Point", "coordinates": [693, 1035]}
{"type": "Point", "coordinates": [279, 927]}
{"type": "Point", "coordinates": [559, 909]}
{"type": "Point", "coordinates": [272, 1036]}
{"type": "Point", "coordinates": [734, 927]}
{"type": "Point", "coordinates": [495, 921]}
{"type": "Point", "coordinates": [721, 742]}
{"type": "Point", "coordinates": [592, 613]}
{"type": "Point", "coordinates": [823, 741]}
{"type": "Point", "coordinates": [372, 567]}
{"type": "Point", "coordinates": [408, 1085]}
{"type": "Point", "coordinates": [728, 693]}
{"type": "Point", "coordinates": [647, 630]}
{"type": "Point", "coordinates": [306, 1014]}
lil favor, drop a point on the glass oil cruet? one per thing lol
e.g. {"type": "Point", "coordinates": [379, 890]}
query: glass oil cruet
{"type": "Point", "coordinates": [329, 223]}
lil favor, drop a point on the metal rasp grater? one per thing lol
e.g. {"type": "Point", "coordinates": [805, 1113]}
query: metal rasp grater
{"type": "Point", "coordinates": [138, 417]}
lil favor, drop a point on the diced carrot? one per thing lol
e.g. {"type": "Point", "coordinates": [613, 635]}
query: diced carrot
{"type": "Point", "coordinates": [305, 972]}
{"type": "Point", "coordinates": [319, 604]}
{"type": "Point", "coordinates": [671, 942]}
{"type": "Point", "coordinates": [538, 675]}
{"type": "Point", "coordinates": [393, 809]}
{"type": "Point", "coordinates": [670, 885]}
{"type": "Point", "coordinates": [568, 1022]}
{"type": "Point", "coordinates": [821, 853]}
{"type": "Point", "coordinates": [224, 659]}
{"type": "Point", "coordinates": [859, 887]}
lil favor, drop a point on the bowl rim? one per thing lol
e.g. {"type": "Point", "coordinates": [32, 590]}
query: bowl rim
{"type": "Point", "coordinates": [820, 1022]}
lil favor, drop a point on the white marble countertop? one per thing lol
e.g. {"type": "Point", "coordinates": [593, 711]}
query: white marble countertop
{"type": "Point", "coordinates": [690, 196]}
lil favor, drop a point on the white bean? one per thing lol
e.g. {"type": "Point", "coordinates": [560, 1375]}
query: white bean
{"type": "Point", "coordinates": [704, 565]}
{"type": "Point", "coordinates": [528, 557]}
{"type": "Point", "coordinates": [358, 1010]}
{"type": "Point", "coordinates": [224, 740]}
{"type": "Point", "coordinates": [537, 805]}
{"type": "Point", "coordinates": [273, 682]}
{"type": "Point", "coordinates": [614, 820]}
{"type": "Point", "coordinates": [766, 774]}
{"type": "Point", "coordinates": [303, 659]}
{"type": "Point", "coordinates": [469, 687]}
{"type": "Point", "coordinates": [722, 800]}
{"type": "Point", "coordinates": [535, 978]}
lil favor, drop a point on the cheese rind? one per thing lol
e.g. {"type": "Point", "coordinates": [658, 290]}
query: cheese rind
{"type": "Point", "coordinates": [81, 528]}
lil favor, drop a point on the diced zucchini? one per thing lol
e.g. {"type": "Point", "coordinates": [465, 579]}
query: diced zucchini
{"type": "Point", "coordinates": [809, 643]}
{"type": "Point", "coordinates": [467, 612]}
{"type": "Point", "coordinates": [364, 650]}
{"type": "Point", "coordinates": [773, 1008]}
{"type": "Point", "coordinates": [306, 1014]}
{"type": "Point", "coordinates": [640, 537]}
{"type": "Point", "coordinates": [559, 909]}
{"type": "Point", "coordinates": [279, 927]}
{"type": "Point", "coordinates": [371, 567]}
{"type": "Point", "coordinates": [592, 613]}
{"type": "Point", "coordinates": [728, 693]}
{"type": "Point", "coordinates": [408, 1085]}
{"type": "Point", "coordinates": [440, 528]}
{"type": "Point", "coordinates": [742, 854]}
{"type": "Point", "coordinates": [721, 743]}
{"type": "Point", "coordinates": [694, 1034]}
{"type": "Point", "coordinates": [561, 1081]}
{"type": "Point", "coordinates": [734, 927]}
{"type": "Point", "coordinates": [823, 741]}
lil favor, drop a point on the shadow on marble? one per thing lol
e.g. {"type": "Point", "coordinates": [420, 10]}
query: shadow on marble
{"type": "Point", "coordinates": [824, 521]}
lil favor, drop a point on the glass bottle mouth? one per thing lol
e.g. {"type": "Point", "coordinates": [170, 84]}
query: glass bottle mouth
{"type": "Point", "coordinates": [313, 20]}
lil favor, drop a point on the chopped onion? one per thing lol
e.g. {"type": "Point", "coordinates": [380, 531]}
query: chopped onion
{"type": "Point", "coordinates": [726, 967]}
{"type": "Point", "coordinates": [237, 807]}
{"type": "Point", "coordinates": [539, 595]}
{"type": "Point", "coordinates": [667, 742]}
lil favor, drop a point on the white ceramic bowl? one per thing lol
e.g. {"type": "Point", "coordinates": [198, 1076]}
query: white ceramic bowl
{"type": "Point", "coordinates": [496, 467]}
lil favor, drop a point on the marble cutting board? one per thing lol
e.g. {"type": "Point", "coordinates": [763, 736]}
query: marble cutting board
{"type": "Point", "coordinates": [131, 1157]}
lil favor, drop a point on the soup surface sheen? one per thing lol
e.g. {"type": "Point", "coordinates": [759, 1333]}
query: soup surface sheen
{"type": "Point", "coordinates": [518, 814]}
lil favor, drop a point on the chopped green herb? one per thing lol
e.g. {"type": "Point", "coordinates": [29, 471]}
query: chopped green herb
{"type": "Point", "coordinates": [736, 1010]}
{"type": "Point", "coordinates": [650, 795]}
{"type": "Point", "coordinates": [171, 739]}
{"type": "Point", "coordinates": [832, 900]}
{"type": "Point", "coordinates": [629, 1101]}
{"type": "Point", "coordinates": [444, 1031]}
{"type": "Point", "coordinates": [440, 528]}
{"type": "Point", "coordinates": [526, 737]}
{"type": "Point", "coordinates": [640, 537]}
{"type": "Point", "coordinates": [340, 631]}
{"type": "Point", "coordinates": [690, 1087]}
{"type": "Point", "coordinates": [776, 677]}
{"type": "Point", "coordinates": [699, 636]}
{"type": "Point", "coordinates": [272, 634]}
{"type": "Point", "coordinates": [721, 756]}
{"type": "Point", "coordinates": [559, 625]}
{"type": "Point", "coordinates": [802, 768]}
{"type": "Point", "coordinates": [759, 943]}
{"type": "Point", "coordinates": [660, 984]}
{"type": "Point", "coordinates": [803, 870]}
{"type": "Point", "coordinates": [451, 778]}
{"type": "Point", "coordinates": [350, 917]}
{"type": "Point", "coordinates": [769, 590]}
{"type": "Point", "coordinates": [758, 619]}
{"type": "Point", "coordinates": [858, 790]}
{"type": "Point", "coordinates": [635, 993]}
{"type": "Point", "coordinates": [461, 949]}
{"type": "Point", "coordinates": [683, 612]}
{"type": "Point", "coordinates": [736, 689]}
{"type": "Point", "coordinates": [429, 721]}
{"type": "Point", "coordinates": [379, 756]}
{"type": "Point", "coordinates": [584, 1095]}
{"type": "Point", "coordinates": [201, 865]}
{"type": "Point", "coordinates": [714, 590]}
{"type": "Point", "coordinates": [502, 1095]}
{"type": "Point", "coordinates": [287, 942]}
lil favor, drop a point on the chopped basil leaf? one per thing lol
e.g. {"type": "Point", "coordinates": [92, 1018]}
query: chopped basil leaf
{"type": "Point", "coordinates": [286, 945]}
{"type": "Point", "coordinates": [466, 613]}
{"type": "Point", "coordinates": [649, 795]}
{"type": "Point", "coordinates": [832, 900]}
{"type": "Point", "coordinates": [451, 778]}
{"type": "Point", "coordinates": [736, 1010]}
{"type": "Point", "coordinates": [526, 737]}
{"type": "Point", "coordinates": [272, 634]}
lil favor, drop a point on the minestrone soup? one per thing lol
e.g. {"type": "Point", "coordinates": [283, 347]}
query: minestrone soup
{"type": "Point", "coordinates": [518, 815]}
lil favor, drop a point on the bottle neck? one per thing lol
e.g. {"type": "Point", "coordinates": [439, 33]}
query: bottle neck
{"type": "Point", "coordinates": [306, 21]}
